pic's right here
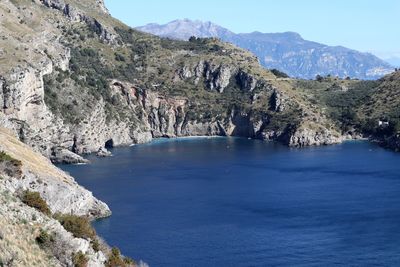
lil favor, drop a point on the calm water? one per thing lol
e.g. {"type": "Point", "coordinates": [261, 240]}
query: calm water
{"type": "Point", "coordinates": [238, 202]}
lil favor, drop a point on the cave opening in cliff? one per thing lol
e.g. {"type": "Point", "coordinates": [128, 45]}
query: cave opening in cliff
{"type": "Point", "coordinates": [109, 144]}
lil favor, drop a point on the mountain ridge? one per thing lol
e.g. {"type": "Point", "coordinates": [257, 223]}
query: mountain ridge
{"type": "Point", "coordinates": [74, 81]}
{"type": "Point", "coordinates": [286, 51]}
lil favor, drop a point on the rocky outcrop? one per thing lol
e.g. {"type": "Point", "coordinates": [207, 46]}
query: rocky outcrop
{"type": "Point", "coordinates": [18, 237]}
{"type": "Point", "coordinates": [302, 137]}
{"type": "Point", "coordinates": [37, 174]}
{"type": "Point", "coordinates": [392, 142]}
{"type": "Point", "coordinates": [246, 81]}
{"type": "Point", "coordinates": [218, 76]}
{"type": "Point", "coordinates": [134, 112]}
{"type": "Point", "coordinates": [64, 156]}
{"type": "Point", "coordinates": [277, 101]}
{"type": "Point", "coordinates": [103, 152]}
{"type": "Point", "coordinates": [77, 15]}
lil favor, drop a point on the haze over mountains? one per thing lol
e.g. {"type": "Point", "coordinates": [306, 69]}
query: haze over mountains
{"type": "Point", "coordinates": [394, 61]}
{"type": "Point", "coordinates": [287, 51]}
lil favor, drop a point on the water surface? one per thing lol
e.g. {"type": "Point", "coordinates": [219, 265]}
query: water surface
{"type": "Point", "coordinates": [239, 202]}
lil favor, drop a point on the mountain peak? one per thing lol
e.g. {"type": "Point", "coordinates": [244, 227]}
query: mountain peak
{"type": "Point", "coordinates": [183, 29]}
{"type": "Point", "coordinates": [286, 51]}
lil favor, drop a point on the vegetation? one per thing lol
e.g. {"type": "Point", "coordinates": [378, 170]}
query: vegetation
{"type": "Point", "coordinates": [279, 74]}
{"type": "Point", "coordinates": [44, 239]}
{"type": "Point", "coordinates": [79, 259]}
{"type": "Point", "coordinates": [79, 226]}
{"type": "Point", "coordinates": [4, 157]}
{"type": "Point", "coordinates": [96, 245]}
{"type": "Point", "coordinates": [34, 200]}
{"type": "Point", "coordinates": [116, 259]}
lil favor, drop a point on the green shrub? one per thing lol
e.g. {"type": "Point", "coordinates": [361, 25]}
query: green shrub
{"type": "Point", "coordinates": [96, 245]}
{"type": "Point", "coordinates": [34, 200]}
{"type": "Point", "coordinates": [79, 259]}
{"type": "Point", "coordinates": [279, 74]}
{"type": "Point", "coordinates": [4, 157]}
{"type": "Point", "coordinates": [119, 57]}
{"type": "Point", "coordinates": [79, 226]}
{"type": "Point", "coordinates": [116, 259]}
{"type": "Point", "coordinates": [44, 239]}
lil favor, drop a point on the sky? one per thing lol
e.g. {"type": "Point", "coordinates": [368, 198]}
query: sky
{"type": "Point", "coordinates": [364, 25]}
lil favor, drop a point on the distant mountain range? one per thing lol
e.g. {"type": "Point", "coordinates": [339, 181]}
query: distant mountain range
{"type": "Point", "coordinates": [287, 51]}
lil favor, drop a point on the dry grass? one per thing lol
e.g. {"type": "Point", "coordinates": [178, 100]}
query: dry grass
{"type": "Point", "coordinates": [31, 160]}
{"type": "Point", "coordinates": [17, 236]}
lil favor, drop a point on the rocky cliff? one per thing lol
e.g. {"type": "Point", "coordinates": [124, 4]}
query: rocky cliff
{"type": "Point", "coordinates": [21, 170]}
{"type": "Point", "coordinates": [89, 82]}
{"type": "Point", "coordinates": [73, 80]}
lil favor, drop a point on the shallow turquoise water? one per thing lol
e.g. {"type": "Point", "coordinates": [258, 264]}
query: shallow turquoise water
{"type": "Point", "coordinates": [239, 202]}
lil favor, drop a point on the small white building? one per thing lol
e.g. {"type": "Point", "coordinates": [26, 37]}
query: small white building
{"type": "Point", "coordinates": [383, 123]}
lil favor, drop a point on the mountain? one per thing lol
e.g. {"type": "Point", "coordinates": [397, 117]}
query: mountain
{"type": "Point", "coordinates": [74, 80]}
{"type": "Point", "coordinates": [287, 51]}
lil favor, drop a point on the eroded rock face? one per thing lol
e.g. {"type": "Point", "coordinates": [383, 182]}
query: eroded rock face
{"type": "Point", "coordinates": [60, 190]}
{"type": "Point", "coordinates": [277, 101]}
{"type": "Point", "coordinates": [218, 76]}
{"type": "Point", "coordinates": [77, 15]}
{"type": "Point", "coordinates": [64, 245]}
{"type": "Point", "coordinates": [146, 113]}
{"type": "Point", "coordinates": [303, 137]}
{"type": "Point", "coordinates": [246, 81]}
{"type": "Point", "coordinates": [64, 156]}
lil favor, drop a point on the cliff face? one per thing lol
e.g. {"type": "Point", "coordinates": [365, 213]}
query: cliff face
{"type": "Point", "coordinates": [78, 80]}
{"type": "Point", "coordinates": [39, 175]}
{"type": "Point", "coordinates": [73, 80]}
{"type": "Point", "coordinates": [20, 224]}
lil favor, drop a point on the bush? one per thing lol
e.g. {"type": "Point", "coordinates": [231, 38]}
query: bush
{"type": "Point", "coordinates": [34, 200]}
{"type": "Point", "coordinates": [79, 259]}
{"type": "Point", "coordinates": [116, 259]}
{"type": "Point", "coordinates": [10, 166]}
{"type": "Point", "coordinates": [44, 239]}
{"type": "Point", "coordinates": [80, 227]}
{"type": "Point", "coordinates": [279, 74]}
{"type": "Point", "coordinates": [119, 57]}
{"type": "Point", "coordinates": [4, 157]}
{"type": "Point", "coordinates": [96, 245]}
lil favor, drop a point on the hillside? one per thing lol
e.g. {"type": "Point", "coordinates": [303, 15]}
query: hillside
{"type": "Point", "coordinates": [89, 82]}
{"type": "Point", "coordinates": [74, 80]}
{"type": "Point", "coordinates": [288, 51]}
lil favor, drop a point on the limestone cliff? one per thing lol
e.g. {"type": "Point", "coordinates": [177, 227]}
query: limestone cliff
{"type": "Point", "coordinates": [78, 80]}
{"type": "Point", "coordinates": [31, 171]}
{"type": "Point", "coordinates": [73, 80]}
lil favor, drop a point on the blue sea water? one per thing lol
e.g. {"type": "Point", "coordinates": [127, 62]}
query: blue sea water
{"type": "Point", "coordinates": [239, 202]}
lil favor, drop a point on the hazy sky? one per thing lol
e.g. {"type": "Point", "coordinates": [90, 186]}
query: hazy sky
{"type": "Point", "coordinates": [365, 25]}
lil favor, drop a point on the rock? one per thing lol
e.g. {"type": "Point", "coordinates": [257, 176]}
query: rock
{"type": "Point", "coordinates": [277, 101]}
{"type": "Point", "coordinates": [303, 137]}
{"type": "Point", "coordinates": [338, 87]}
{"type": "Point", "coordinates": [38, 174]}
{"type": "Point", "coordinates": [216, 76]}
{"type": "Point", "coordinates": [246, 81]}
{"type": "Point", "coordinates": [23, 225]}
{"type": "Point", "coordinates": [77, 15]}
{"type": "Point", "coordinates": [64, 156]}
{"type": "Point", "coordinates": [103, 152]}
{"type": "Point", "coordinates": [101, 5]}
